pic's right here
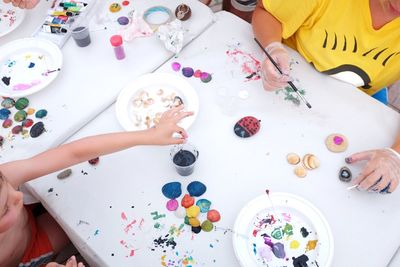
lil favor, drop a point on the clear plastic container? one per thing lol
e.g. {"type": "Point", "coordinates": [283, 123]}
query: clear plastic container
{"type": "Point", "coordinates": [116, 42]}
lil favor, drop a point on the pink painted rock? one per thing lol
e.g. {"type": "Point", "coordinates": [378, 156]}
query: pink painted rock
{"type": "Point", "coordinates": [172, 204]}
{"type": "Point", "coordinates": [197, 73]}
{"type": "Point", "coordinates": [213, 216]}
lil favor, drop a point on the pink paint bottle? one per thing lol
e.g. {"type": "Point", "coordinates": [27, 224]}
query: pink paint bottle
{"type": "Point", "coordinates": [116, 42]}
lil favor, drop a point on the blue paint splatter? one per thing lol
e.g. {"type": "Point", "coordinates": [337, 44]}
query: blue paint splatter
{"type": "Point", "coordinates": [31, 65]}
{"type": "Point", "coordinates": [97, 232]}
{"type": "Point", "coordinates": [254, 249]}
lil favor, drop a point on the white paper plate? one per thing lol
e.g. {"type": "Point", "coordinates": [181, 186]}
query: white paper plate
{"type": "Point", "coordinates": [27, 66]}
{"type": "Point", "coordinates": [133, 117]}
{"type": "Point", "coordinates": [10, 18]}
{"type": "Point", "coordinates": [249, 240]}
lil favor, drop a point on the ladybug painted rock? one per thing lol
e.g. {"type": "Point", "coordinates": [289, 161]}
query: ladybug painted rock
{"type": "Point", "coordinates": [247, 126]}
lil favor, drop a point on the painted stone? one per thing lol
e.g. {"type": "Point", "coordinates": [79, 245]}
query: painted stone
{"type": "Point", "coordinates": [183, 12]}
{"type": "Point", "coordinates": [41, 113]}
{"type": "Point", "coordinates": [187, 201]}
{"type": "Point", "coordinates": [27, 123]}
{"type": "Point", "coordinates": [30, 111]}
{"type": "Point", "coordinates": [186, 220]}
{"type": "Point", "coordinates": [247, 127]}
{"type": "Point", "coordinates": [194, 222]}
{"type": "Point", "coordinates": [123, 20]}
{"type": "Point", "coordinates": [7, 123]}
{"type": "Point", "coordinates": [187, 72]}
{"type": "Point", "coordinates": [1, 141]}
{"type": "Point", "coordinates": [204, 205]}
{"type": "Point", "coordinates": [4, 114]}
{"type": "Point", "coordinates": [172, 204]}
{"type": "Point", "coordinates": [311, 162]}
{"type": "Point", "coordinates": [197, 73]}
{"type": "Point", "coordinates": [115, 7]}
{"type": "Point", "coordinates": [8, 103]}
{"type": "Point", "coordinates": [176, 66]}
{"type": "Point", "coordinates": [207, 226]}
{"type": "Point", "coordinates": [196, 189]}
{"type": "Point", "coordinates": [300, 171]}
{"type": "Point", "coordinates": [293, 158]}
{"type": "Point", "coordinates": [345, 174]}
{"type": "Point", "coordinates": [180, 212]}
{"type": "Point", "coordinates": [213, 216]}
{"type": "Point", "coordinates": [336, 143]}
{"type": "Point", "coordinates": [172, 190]}
{"type": "Point", "coordinates": [196, 230]}
{"type": "Point", "coordinates": [22, 103]}
{"type": "Point", "coordinates": [37, 129]}
{"type": "Point", "coordinates": [16, 129]}
{"type": "Point", "coordinates": [192, 211]}
{"type": "Point", "coordinates": [25, 133]}
{"type": "Point", "coordinates": [205, 77]}
{"type": "Point", "coordinates": [20, 115]}
{"type": "Point", "coordinates": [125, 3]}
{"type": "Point", "coordinates": [64, 174]}
{"type": "Point", "coordinates": [94, 161]}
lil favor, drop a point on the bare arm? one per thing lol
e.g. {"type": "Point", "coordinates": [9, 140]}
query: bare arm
{"type": "Point", "coordinates": [266, 27]}
{"type": "Point", "coordinates": [21, 171]}
{"type": "Point", "coordinates": [396, 145]}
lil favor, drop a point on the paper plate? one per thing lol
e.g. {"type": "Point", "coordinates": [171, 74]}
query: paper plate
{"type": "Point", "coordinates": [292, 233]}
{"type": "Point", "coordinates": [10, 18]}
{"type": "Point", "coordinates": [27, 66]}
{"type": "Point", "coordinates": [140, 104]}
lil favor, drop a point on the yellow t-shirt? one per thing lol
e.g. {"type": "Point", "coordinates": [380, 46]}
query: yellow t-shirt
{"type": "Point", "coordinates": [337, 37]}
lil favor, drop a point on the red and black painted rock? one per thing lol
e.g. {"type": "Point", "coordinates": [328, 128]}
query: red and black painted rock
{"type": "Point", "coordinates": [247, 127]}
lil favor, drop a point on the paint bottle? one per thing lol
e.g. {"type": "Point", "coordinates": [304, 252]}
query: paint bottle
{"type": "Point", "coordinates": [116, 42]}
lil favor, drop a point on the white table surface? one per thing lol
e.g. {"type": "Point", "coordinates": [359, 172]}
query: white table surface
{"type": "Point", "coordinates": [364, 226]}
{"type": "Point", "coordinates": [91, 77]}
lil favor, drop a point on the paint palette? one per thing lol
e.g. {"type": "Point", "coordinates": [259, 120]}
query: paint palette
{"type": "Point", "coordinates": [10, 18]}
{"type": "Point", "coordinates": [140, 105]}
{"type": "Point", "coordinates": [27, 66]}
{"type": "Point", "coordinates": [292, 232]}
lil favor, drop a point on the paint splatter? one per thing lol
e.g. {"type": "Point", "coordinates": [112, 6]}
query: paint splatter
{"type": "Point", "coordinates": [311, 245]}
{"type": "Point", "coordinates": [291, 95]}
{"type": "Point", "coordinates": [250, 66]}
{"type": "Point", "coordinates": [294, 244]}
{"type": "Point", "coordinates": [186, 260]}
{"type": "Point", "coordinates": [31, 65]}
{"type": "Point", "coordinates": [25, 86]}
{"type": "Point", "coordinates": [6, 80]}
{"type": "Point", "coordinates": [304, 232]}
{"type": "Point", "coordinates": [96, 232]}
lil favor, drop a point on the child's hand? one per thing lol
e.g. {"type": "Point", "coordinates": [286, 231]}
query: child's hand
{"type": "Point", "coordinates": [70, 263]}
{"type": "Point", "coordinates": [28, 4]}
{"type": "Point", "coordinates": [163, 131]}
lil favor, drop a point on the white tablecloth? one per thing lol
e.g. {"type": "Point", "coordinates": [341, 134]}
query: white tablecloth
{"type": "Point", "coordinates": [91, 204]}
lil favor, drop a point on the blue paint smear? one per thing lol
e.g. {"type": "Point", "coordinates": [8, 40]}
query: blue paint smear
{"type": "Point", "coordinates": [31, 65]}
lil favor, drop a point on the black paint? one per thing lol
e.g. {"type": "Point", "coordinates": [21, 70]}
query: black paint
{"type": "Point", "coordinates": [184, 158]}
{"type": "Point", "coordinates": [6, 80]}
{"type": "Point", "coordinates": [304, 232]}
{"type": "Point", "coordinates": [300, 261]}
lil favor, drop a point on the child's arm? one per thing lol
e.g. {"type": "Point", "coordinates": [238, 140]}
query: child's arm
{"type": "Point", "coordinates": [21, 171]}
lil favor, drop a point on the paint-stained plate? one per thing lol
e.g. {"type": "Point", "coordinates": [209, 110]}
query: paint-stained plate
{"type": "Point", "coordinates": [10, 18]}
{"type": "Point", "coordinates": [27, 66]}
{"type": "Point", "coordinates": [292, 233]}
{"type": "Point", "coordinates": [140, 104]}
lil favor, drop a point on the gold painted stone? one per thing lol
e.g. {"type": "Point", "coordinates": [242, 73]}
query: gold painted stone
{"type": "Point", "coordinates": [293, 158]}
{"type": "Point", "coordinates": [336, 143]}
{"type": "Point", "coordinates": [300, 171]}
{"type": "Point", "coordinates": [310, 162]}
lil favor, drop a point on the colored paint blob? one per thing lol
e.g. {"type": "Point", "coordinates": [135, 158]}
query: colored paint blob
{"type": "Point", "coordinates": [6, 80]}
{"type": "Point", "coordinates": [176, 66]}
{"type": "Point", "coordinates": [196, 230]}
{"type": "Point", "coordinates": [187, 201]}
{"type": "Point", "coordinates": [294, 244]}
{"type": "Point", "coordinates": [192, 211]}
{"type": "Point", "coordinates": [94, 161]}
{"type": "Point", "coordinates": [265, 253]}
{"type": "Point", "coordinates": [207, 226]}
{"type": "Point", "coordinates": [213, 216]}
{"type": "Point", "coordinates": [4, 114]}
{"type": "Point", "coordinates": [338, 140]}
{"type": "Point", "coordinates": [1, 140]}
{"type": "Point", "coordinates": [300, 261]}
{"type": "Point", "coordinates": [31, 65]}
{"type": "Point", "coordinates": [288, 229]}
{"type": "Point", "coordinates": [304, 232]}
{"type": "Point", "coordinates": [187, 72]}
{"type": "Point", "coordinates": [279, 250]}
{"type": "Point", "coordinates": [277, 233]}
{"type": "Point", "coordinates": [172, 204]}
{"type": "Point", "coordinates": [311, 245]}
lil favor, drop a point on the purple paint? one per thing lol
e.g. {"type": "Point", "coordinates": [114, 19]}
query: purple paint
{"type": "Point", "coordinates": [279, 250]}
{"type": "Point", "coordinates": [338, 140]}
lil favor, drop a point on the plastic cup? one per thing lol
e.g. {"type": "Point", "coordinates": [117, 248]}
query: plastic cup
{"type": "Point", "coordinates": [81, 35]}
{"type": "Point", "coordinates": [184, 158]}
{"type": "Point", "coordinates": [227, 100]}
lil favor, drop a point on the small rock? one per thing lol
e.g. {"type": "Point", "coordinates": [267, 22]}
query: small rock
{"type": "Point", "coordinates": [293, 158]}
{"type": "Point", "coordinates": [180, 212]}
{"type": "Point", "coordinates": [300, 171]}
{"type": "Point", "coordinates": [64, 174]}
{"type": "Point", "coordinates": [194, 222]}
{"type": "Point", "coordinates": [4, 114]}
{"type": "Point", "coordinates": [16, 129]}
{"type": "Point", "coordinates": [196, 188]}
{"type": "Point", "coordinates": [196, 230]}
{"type": "Point", "coordinates": [27, 123]}
{"type": "Point", "coordinates": [7, 123]}
{"type": "Point", "coordinates": [94, 161]}
{"type": "Point", "coordinates": [123, 20]}
{"type": "Point", "coordinates": [187, 201]}
{"type": "Point", "coordinates": [213, 216]}
{"type": "Point", "coordinates": [172, 204]}
{"type": "Point", "coordinates": [176, 66]}
{"type": "Point", "coordinates": [22, 103]}
{"type": "Point", "coordinates": [197, 73]}
{"type": "Point", "coordinates": [247, 127]}
{"type": "Point", "coordinates": [8, 103]}
{"type": "Point", "coordinates": [41, 113]}
{"type": "Point", "coordinates": [207, 226]}
{"type": "Point", "coordinates": [193, 211]}
{"type": "Point", "coordinates": [37, 129]}
{"type": "Point", "coordinates": [172, 190]}
{"type": "Point", "coordinates": [205, 77]}
{"type": "Point", "coordinates": [345, 174]}
{"type": "Point", "coordinates": [30, 111]}
{"type": "Point", "coordinates": [204, 205]}
{"type": "Point", "coordinates": [20, 115]}
{"type": "Point", "coordinates": [187, 72]}
{"type": "Point", "coordinates": [1, 141]}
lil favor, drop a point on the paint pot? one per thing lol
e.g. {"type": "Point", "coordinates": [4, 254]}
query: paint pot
{"type": "Point", "coordinates": [184, 158]}
{"type": "Point", "coordinates": [81, 35]}
{"type": "Point", "coordinates": [116, 42]}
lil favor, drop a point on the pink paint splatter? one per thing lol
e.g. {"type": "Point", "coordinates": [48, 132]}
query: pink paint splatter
{"type": "Point", "coordinates": [251, 67]}
{"type": "Point", "coordinates": [123, 216]}
{"type": "Point", "coordinates": [25, 86]}
{"type": "Point", "coordinates": [129, 226]}
{"type": "Point", "coordinates": [338, 140]}
{"type": "Point", "coordinates": [286, 217]}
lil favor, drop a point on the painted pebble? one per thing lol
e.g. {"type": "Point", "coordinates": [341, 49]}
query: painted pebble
{"type": "Point", "coordinates": [180, 212]}
{"type": "Point", "coordinates": [30, 111]}
{"type": "Point", "coordinates": [115, 7]}
{"type": "Point", "coordinates": [207, 226]}
{"type": "Point", "coordinates": [4, 114]}
{"type": "Point", "coordinates": [176, 66]}
{"type": "Point", "coordinates": [22, 103]}
{"type": "Point", "coordinates": [204, 205]}
{"type": "Point", "coordinates": [247, 126]}
{"type": "Point", "coordinates": [20, 115]}
{"type": "Point", "coordinates": [7, 123]}
{"type": "Point", "coordinates": [183, 12]}
{"type": "Point", "coordinates": [197, 73]}
{"type": "Point", "coordinates": [205, 77]}
{"type": "Point", "coordinates": [187, 72]}
{"type": "Point", "coordinates": [196, 188]}
{"type": "Point", "coordinates": [1, 141]}
{"type": "Point", "coordinates": [37, 129]}
{"type": "Point", "coordinates": [123, 20]}
{"type": "Point", "coordinates": [310, 162]}
{"type": "Point", "coordinates": [194, 222]}
{"type": "Point", "coordinates": [16, 129]}
{"type": "Point", "coordinates": [8, 103]}
{"type": "Point", "coordinates": [172, 190]}
{"type": "Point", "coordinates": [41, 113]}
{"type": "Point", "coordinates": [172, 204]}
{"type": "Point", "coordinates": [186, 220]}
{"type": "Point", "coordinates": [196, 230]}
{"type": "Point", "coordinates": [193, 211]}
{"type": "Point", "coordinates": [336, 143]}
{"type": "Point", "coordinates": [213, 216]}
{"type": "Point", "coordinates": [94, 161]}
{"type": "Point", "coordinates": [125, 3]}
{"type": "Point", "coordinates": [187, 201]}
{"type": "Point", "coordinates": [293, 158]}
{"type": "Point", "coordinates": [64, 174]}
{"type": "Point", "coordinates": [345, 174]}
{"type": "Point", "coordinates": [27, 123]}
{"type": "Point", "coordinates": [300, 171]}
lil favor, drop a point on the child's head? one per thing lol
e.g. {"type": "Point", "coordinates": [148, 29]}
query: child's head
{"type": "Point", "coordinates": [11, 204]}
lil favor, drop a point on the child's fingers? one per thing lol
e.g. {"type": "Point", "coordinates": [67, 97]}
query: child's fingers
{"type": "Point", "coordinates": [72, 262]}
{"type": "Point", "coordinates": [81, 264]}
{"type": "Point", "coordinates": [183, 115]}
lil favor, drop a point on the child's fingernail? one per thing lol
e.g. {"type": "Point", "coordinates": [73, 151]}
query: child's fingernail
{"type": "Point", "coordinates": [348, 160]}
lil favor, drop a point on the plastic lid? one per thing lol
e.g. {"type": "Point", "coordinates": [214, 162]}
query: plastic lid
{"type": "Point", "coordinates": [116, 40]}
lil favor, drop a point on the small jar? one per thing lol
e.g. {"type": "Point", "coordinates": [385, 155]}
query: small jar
{"type": "Point", "coordinates": [116, 42]}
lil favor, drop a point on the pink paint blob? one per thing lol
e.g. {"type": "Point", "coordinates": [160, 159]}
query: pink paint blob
{"type": "Point", "coordinates": [338, 140]}
{"type": "Point", "coordinates": [123, 216]}
{"type": "Point", "coordinates": [176, 66]}
{"type": "Point", "coordinates": [172, 204]}
{"type": "Point", "coordinates": [265, 253]}
{"type": "Point", "coordinates": [25, 86]}
{"type": "Point", "coordinates": [249, 64]}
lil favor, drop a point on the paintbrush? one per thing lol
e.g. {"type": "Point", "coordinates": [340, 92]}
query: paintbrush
{"type": "Point", "coordinates": [352, 187]}
{"type": "Point", "coordinates": [273, 206]}
{"type": "Point", "coordinates": [50, 71]}
{"type": "Point", "coordinates": [280, 71]}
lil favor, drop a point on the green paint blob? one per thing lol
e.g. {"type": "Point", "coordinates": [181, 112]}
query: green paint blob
{"type": "Point", "coordinates": [277, 233]}
{"type": "Point", "coordinates": [288, 229]}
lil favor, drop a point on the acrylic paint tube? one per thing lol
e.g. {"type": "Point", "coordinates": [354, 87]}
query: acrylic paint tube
{"type": "Point", "coordinates": [54, 28]}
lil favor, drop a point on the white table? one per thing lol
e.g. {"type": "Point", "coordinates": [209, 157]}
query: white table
{"type": "Point", "coordinates": [91, 77]}
{"type": "Point", "coordinates": [235, 170]}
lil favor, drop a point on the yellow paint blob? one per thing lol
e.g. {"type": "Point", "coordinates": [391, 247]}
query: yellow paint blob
{"type": "Point", "coordinates": [312, 244]}
{"type": "Point", "coordinates": [294, 244]}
